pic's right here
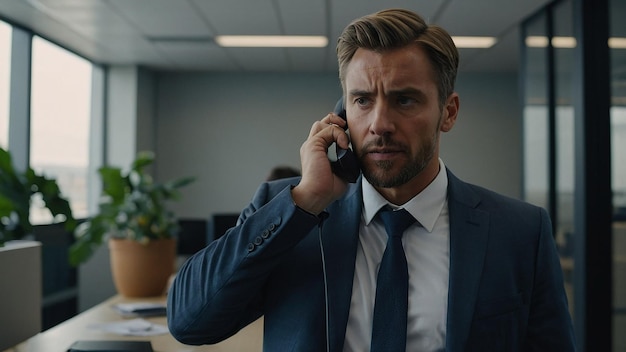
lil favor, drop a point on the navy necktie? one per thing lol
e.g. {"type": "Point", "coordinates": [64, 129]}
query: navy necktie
{"type": "Point", "coordinates": [392, 286]}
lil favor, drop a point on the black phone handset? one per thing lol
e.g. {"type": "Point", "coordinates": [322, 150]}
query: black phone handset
{"type": "Point", "coordinates": [346, 165]}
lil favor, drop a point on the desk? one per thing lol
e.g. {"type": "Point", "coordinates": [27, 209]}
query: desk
{"type": "Point", "coordinates": [60, 337]}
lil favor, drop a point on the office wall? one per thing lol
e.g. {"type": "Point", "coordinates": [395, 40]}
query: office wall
{"type": "Point", "coordinates": [95, 283]}
{"type": "Point", "coordinates": [145, 95]}
{"type": "Point", "coordinates": [131, 127]}
{"type": "Point", "coordinates": [485, 146]}
{"type": "Point", "coordinates": [229, 130]}
{"type": "Point", "coordinates": [121, 120]}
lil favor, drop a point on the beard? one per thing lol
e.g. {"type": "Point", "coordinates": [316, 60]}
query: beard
{"type": "Point", "coordinates": [381, 173]}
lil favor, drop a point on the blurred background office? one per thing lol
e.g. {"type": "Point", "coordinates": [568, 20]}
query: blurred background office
{"type": "Point", "coordinates": [543, 113]}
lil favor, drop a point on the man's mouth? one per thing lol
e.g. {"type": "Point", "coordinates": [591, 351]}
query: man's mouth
{"type": "Point", "coordinates": [384, 153]}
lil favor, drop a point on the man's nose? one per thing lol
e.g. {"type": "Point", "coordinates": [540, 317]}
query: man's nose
{"type": "Point", "coordinates": [382, 120]}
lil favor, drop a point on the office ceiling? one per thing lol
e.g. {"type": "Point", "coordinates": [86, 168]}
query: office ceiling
{"type": "Point", "coordinates": [177, 34]}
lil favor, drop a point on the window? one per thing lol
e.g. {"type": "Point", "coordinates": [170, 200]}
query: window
{"type": "Point", "coordinates": [5, 69]}
{"type": "Point", "coordinates": [60, 117]}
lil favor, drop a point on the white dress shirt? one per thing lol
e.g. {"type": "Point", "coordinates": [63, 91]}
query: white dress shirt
{"type": "Point", "coordinates": [427, 249]}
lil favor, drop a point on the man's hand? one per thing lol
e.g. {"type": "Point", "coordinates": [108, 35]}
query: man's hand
{"type": "Point", "coordinates": [319, 185]}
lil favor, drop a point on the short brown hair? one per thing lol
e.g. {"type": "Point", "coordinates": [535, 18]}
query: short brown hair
{"type": "Point", "coordinates": [396, 28]}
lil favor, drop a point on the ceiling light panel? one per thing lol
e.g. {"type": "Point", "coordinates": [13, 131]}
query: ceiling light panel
{"type": "Point", "coordinates": [564, 42]}
{"type": "Point", "coordinates": [240, 17]}
{"type": "Point", "coordinates": [88, 18]}
{"type": "Point", "coordinates": [163, 18]}
{"type": "Point", "coordinates": [569, 42]}
{"type": "Point", "coordinates": [269, 41]}
{"type": "Point", "coordinates": [96, 24]}
{"type": "Point", "coordinates": [303, 17]}
{"type": "Point", "coordinates": [474, 42]}
{"type": "Point", "coordinates": [42, 20]}
{"type": "Point", "coordinates": [617, 43]}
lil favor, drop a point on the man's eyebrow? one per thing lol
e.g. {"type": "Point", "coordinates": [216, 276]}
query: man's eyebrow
{"type": "Point", "coordinates": [407, 91]}
{"type": "Point", "coordinates": [358, 93]}
{"type": "Point", "coordinates": [395, 92]}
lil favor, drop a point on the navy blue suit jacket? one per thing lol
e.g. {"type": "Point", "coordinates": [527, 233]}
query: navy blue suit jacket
{"type": "Point", "coordinates": [505, 288]}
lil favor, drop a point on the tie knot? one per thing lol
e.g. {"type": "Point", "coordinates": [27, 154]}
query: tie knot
{"type": "Point", "coordinates": [396, 221]}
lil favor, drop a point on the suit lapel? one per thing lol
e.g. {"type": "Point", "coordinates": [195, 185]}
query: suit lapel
{"type": "Point", "coordinates": [468, 243]}
{"type": "Point", "coordinates": [340, 238]}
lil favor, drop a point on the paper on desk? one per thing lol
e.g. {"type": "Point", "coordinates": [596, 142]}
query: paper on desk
{"type": "Point", "coordinates": [134, 327]}
{"type": "Point", "coordinates": [140, 309]}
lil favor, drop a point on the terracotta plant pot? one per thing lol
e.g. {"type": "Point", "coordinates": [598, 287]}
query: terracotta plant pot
{"type": "Point", "coordinates": [142, 270]}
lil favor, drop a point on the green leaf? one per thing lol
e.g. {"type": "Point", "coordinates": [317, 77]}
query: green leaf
{"type": "Point", "coordinates": [113, 184]}
{"type": "Point", "coordinates": [181, 182]}
{"type": "Point", "coordinates": [144, 158]}
{"type": "Point", "coordinates": [6, 165]}
{"type": "Point", "coordinates": [92, 236]}
{"type": "Point", "coordinates": [16, 191]}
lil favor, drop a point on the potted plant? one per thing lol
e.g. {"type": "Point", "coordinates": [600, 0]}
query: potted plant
{"type": "Point", "coordinates": [140, 230]}
{"type": "Point", "coordinates": [20, 259]}
{"type": "Point", "coordinates": [16, 193]}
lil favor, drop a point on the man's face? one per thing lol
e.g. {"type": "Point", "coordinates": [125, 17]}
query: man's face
{"type": "Point", "coordinates": [394, 116]}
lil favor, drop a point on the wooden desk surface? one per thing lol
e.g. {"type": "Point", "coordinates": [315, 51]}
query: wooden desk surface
{"type": "Point", "coordinates": [60, 337]}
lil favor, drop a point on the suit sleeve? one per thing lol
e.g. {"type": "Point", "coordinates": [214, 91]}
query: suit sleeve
{"type": "Point", "coordinates": [549, 326]}
{"type": "Point", "coordinates": [220, 289]}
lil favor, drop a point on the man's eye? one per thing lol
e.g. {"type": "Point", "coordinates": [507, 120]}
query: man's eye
{"type": "Point", "coordinates": [361, 101]}
{"type": "Point", "coordinates": [405, 101]}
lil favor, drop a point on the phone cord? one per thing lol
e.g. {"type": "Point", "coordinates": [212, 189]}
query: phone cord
{"type": "Point", "coordinates": [324, 216]}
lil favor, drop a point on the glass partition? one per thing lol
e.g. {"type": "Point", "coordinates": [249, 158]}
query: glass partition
{"type": "Point", "coordinates": [549, 126]}
{"type": "Point", "coordinates": [553, 61]}
{"type": "Point", "coordinates": [535, 113]}
{"type": "Point", "coordinates": [563, 44]}
{"type": "Point", "coordinates": [549, 130]}
{"type": "Point", "coordinates": [617, 44]}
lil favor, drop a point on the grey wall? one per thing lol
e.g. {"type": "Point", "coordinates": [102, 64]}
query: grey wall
{"type": "Point", "coordinates": [95, 283]}
{"type": "Point", "coordinates": [131, 127]}
{"type": "Point", "coordinates": [485, 146]}
{"type": "Point", "coordinates": [229, 130]}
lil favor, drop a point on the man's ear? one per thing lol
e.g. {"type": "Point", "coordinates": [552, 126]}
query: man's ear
{"type": "Point", "coordinates": [450, 112]}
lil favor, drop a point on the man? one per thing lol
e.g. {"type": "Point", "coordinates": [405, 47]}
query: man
{"type": "Point", "coordinates": [483, 272]}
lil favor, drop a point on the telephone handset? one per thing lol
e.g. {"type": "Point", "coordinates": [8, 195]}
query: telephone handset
{"type": "Point", "coordinates": [346, 165]}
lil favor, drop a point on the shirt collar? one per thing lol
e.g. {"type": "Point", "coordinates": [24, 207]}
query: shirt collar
{"type": "Point", "coordinates": [425, 206]}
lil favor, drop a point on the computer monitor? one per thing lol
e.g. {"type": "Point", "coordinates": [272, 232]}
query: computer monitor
{"type": "Point", "coordinates": [220, 223]}
{"type": "Point", "coordinates": [192, 236]}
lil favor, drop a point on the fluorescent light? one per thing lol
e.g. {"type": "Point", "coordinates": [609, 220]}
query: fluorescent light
{"type": "Point", "coordinates": [321, 41]}
{"type": "Point", "coordinates": [569, 42]}
{"type": "Point", "coordinates": [271, 41]}
{"type": "Point", "coordinates": [474, 42]}
{"type": "Point", "coordinates": [564, 42]}
{"type": "Point", "coordinates": [540, 41]}
{"type": "Point", "coordinates": [536, 41]}
{"type": "Point", "coordinates": [617, 43]}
